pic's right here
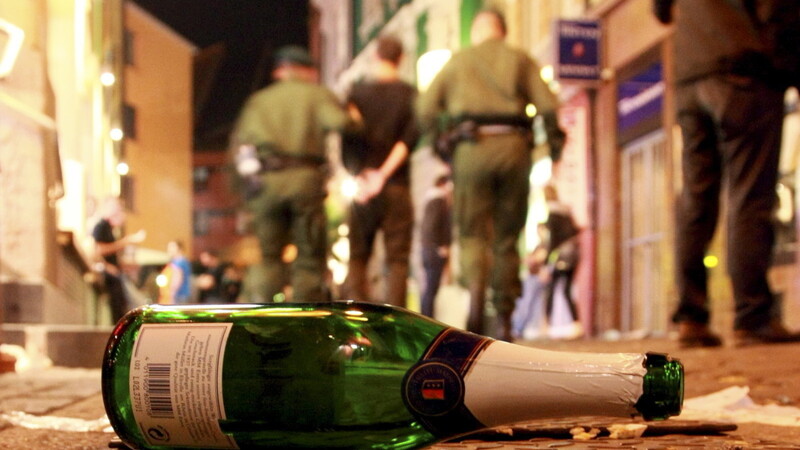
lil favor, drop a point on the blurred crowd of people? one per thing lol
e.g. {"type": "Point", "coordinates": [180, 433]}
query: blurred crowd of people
{"type": "Point", "coordinates": [473, 116]}
{"type": "Point", "coordinates": [279, 151]}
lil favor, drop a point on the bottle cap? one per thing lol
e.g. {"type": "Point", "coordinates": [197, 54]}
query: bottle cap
{"type": "Point", "coordinates": [663, 388]}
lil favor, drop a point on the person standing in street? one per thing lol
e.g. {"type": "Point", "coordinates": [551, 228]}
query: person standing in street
{"type": "Point", "coordinates": [729, 100]}
{"type": "Point", "coordinates": [484, 90]}
{"type": "Point", "coordinates": [108, 247]}
{"type": "Point", "coordinates": [435, 239]}
{"type": "Point", "coordinates": [384, 106]}
{"type": "Point", "coordinates": [214, 284]}
{"type": "Point", "coordinates": [528, 319]}
{"type": "Point", "coordinates": [563, 255]}
{"type": "Point", "coordinates": [177, 275]}
{"type": "Point", "coordinates": [279, 154]}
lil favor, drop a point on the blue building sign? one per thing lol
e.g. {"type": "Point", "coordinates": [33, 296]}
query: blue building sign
{"type": "Point", "coordinates": [578, 50]}
{"type": "Point", "coordinates": [640, 101]}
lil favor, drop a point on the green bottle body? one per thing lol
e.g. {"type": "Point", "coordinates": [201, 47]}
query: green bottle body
{"type": "Point", "coordinates": [332, 375]}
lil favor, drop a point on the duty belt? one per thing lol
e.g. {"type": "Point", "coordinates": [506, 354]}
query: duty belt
{"type": "Point", "coordinates": [495, 130]}
{"type": "Point", "coordinates": [274, 162]}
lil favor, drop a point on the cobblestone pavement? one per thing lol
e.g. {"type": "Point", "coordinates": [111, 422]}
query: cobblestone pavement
{"type": "Point", "coordinates": [67, 406]}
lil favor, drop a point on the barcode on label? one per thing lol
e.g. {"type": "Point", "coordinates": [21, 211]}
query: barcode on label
{"type": "Point", "coordinates": [158, 390]}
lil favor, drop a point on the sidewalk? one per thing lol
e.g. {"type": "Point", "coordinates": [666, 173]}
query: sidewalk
{"type": "Point", "coordinates": [60, 408]}
{"type": "Point", "coordinates": [52, 408]}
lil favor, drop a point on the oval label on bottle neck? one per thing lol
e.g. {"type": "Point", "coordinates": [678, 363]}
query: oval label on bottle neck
{"type": "Point", "coordinates": [434, 389]}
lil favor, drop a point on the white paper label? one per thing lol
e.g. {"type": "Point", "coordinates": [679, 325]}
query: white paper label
{"type": "Point", "coordinates": [510, 383]}
{"type": "Point", "coordinates": [176, 384]}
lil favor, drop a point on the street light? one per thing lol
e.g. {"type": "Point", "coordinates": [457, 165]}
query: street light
{"type": "Point", "coordinates": [107, 79]}
{"type": "Point", "coordinates": [116, 134]}
{"type": "Point", "coordinates": [123, 168]}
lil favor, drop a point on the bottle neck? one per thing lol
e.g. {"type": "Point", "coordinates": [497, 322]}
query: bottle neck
{"type": "Point", "coordinates": [663, 388]}
{"type": "Point", "coordinates": [511, 383]}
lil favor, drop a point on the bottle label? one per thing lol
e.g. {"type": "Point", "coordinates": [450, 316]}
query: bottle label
{"type": "Point", "coordinates": [465, 382]}
{"type": "Point", "coordinates": [176, 384]}
{"type": "Point", "coordinates": [434, 388]}
{"type": "Point", "coordinates": [510, 383]}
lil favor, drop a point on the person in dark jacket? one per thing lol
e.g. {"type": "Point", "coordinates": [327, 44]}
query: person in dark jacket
{"type": "Point", "coordinates": [563, 256]}
{"type": "Point", "coordinates": [435, 238]}
{"type": "Point", "coordinates": [108, 248]}
{"type": "Point", "coordinates": [729, 101]}
{"type": "Point", "coordinates": [280, 157]}
{"type": "Point", "coordinates": [384, 105]}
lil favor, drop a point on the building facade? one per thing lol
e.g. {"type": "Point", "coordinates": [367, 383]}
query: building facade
{"type": "Point", "coordinates": [158, 142]}
{"type": "Point", "coordinates": [85, 116]}
{"type": "Point", "coordinates": [51, 109]}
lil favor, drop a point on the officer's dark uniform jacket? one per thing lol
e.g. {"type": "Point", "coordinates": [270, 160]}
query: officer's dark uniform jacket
{"type": "Point", "coordinates": [287, 122]}
{"type": "Point", "coordinates": [490, 172]}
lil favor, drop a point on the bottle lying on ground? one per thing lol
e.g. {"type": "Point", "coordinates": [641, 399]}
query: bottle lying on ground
{"type": "Point", "coordinates": [349, 375]}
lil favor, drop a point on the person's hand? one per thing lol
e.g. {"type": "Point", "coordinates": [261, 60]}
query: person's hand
{"type": "Point", "coordinates": [545, 274]}
{"type": "Point", "coordinates": [370, 184]}
{"type": "Point", "coordinates": [447, 275]}
{"type": "Point", "coordinates": [137, 237]}
{"type": "Point", "coordinates": [205, 281]}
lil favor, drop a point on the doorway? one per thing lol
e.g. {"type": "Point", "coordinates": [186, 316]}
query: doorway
{"type": "Point", "coordinates": [646, 261]}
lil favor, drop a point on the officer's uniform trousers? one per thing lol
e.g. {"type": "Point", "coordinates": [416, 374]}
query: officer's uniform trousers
{"type": "Point", "coordinates": [491, 186]}
{"type": "Point", "coordinates": [290, 209]}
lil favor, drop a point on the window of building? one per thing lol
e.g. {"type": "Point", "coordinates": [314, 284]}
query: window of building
{"type": "Point", "coordinates": [200, 178]}
{"type": "Point", "coordinates": [127, 47]}
{"type": "Point", "coordinates": [201, 222]}
{"type": "Point", "coordinates": [126, 191]}
{"type": "Point", "coordinates": [129, 121]}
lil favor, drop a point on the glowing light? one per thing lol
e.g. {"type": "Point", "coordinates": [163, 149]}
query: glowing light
{"type": "Point", "coordinates": [349, 188]}
{"type": "Point", "coordinates": [296, 313]}
{"type": "Point", "coordinates": [710, 261]}
{"type": "Point", "coordinates": [289, 254]}
{"type": "Point", "coordinates": [116, 134]}
{"type": "Point", "coordinates": [542, 172]}
{"type": "Point", "coordinates": [338, 270]}
{"type": "Point", "coordinates": [341, 249]}
{"type": "Point", "coordinates": [429, 65]}
{"type": "Point", "coordinates": [123, 168]}
{"type": "Point", "coordinates": [530, 110]}
{"type": "Point", "coordinates": [162, 280]}
{"type": "Point", "coordinates": [13, 44]}
{"type": "Point", "coordinates": [108, 79]}
{"type": "Point", "coordinates": [204, 307]}
{"type": "Point", "coordinates": [547, 73]}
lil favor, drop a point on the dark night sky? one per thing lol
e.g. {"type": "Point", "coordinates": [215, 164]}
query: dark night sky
{"type": "Point", "coordinates": [250, 29]}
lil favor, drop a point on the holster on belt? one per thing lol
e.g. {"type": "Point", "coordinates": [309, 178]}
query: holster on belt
{"type": "Point", "coordinates": [274, 161]}
{"type": "Point", "coordinates": [471, 127]}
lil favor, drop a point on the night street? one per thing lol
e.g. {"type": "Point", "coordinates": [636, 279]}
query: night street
{"type": "Point", "coordinates": [252, 197]}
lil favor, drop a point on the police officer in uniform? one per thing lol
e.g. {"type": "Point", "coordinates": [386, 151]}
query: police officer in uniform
{"type": "Point", "coordinates": [485, 89]}
{"type": "Point", "coordinates": [279, 154]}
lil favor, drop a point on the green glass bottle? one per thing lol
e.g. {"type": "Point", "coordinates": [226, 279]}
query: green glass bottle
{"type": "Point", "coordinates": [349, 375]}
